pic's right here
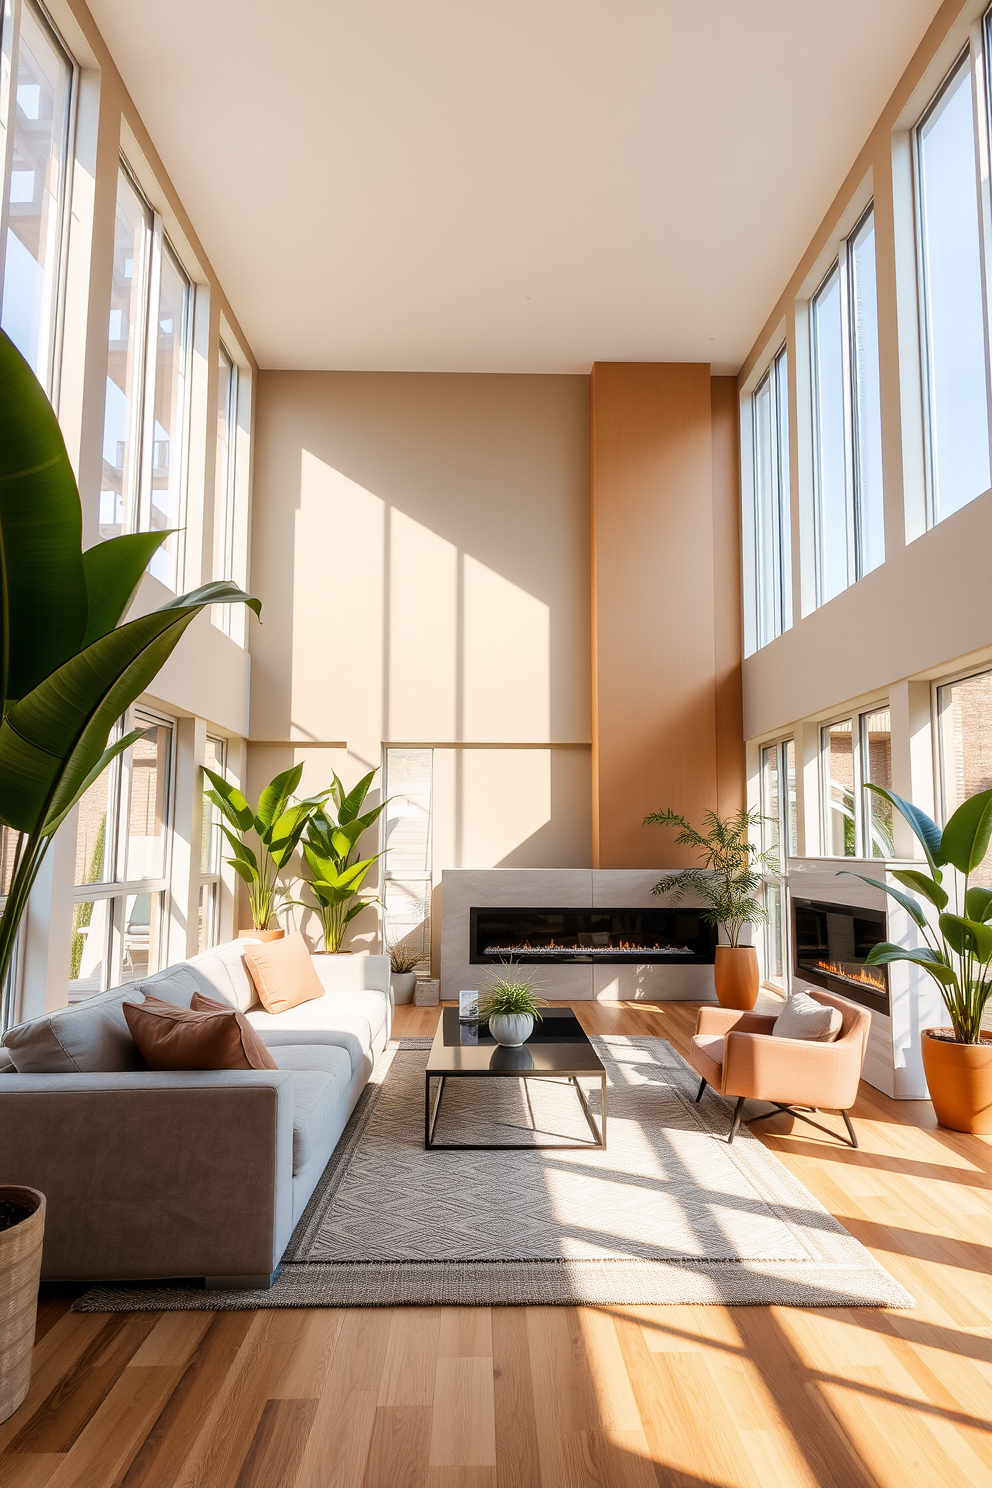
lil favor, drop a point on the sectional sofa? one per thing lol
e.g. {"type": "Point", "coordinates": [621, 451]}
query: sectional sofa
{"type": "Point", "coordinates": [201, 1174]}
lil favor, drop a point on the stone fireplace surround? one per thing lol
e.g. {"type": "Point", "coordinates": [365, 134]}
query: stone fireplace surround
{"type": "Point", "coordinates": [464, 889]}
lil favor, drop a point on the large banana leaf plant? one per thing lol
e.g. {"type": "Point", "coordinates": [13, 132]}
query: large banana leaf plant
{"type": "Point", "coordinates": [956, 924]}
{"type": "Point", "coordinates": [331, 851]}
{"type": "Point", "coordinates": [277, 822]}
{"type": "Point", "coordinates": [68, 668]}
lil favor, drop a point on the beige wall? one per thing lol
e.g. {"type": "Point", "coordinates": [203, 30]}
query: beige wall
{"type": "Point", "coordinates": [421, 548]}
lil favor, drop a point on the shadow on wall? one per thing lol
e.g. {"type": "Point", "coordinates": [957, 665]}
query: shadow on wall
{"type": "Point", "coordinates": [421, 548]}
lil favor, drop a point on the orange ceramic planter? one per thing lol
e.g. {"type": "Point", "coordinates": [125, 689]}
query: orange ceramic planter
{"type": "Point", "coordinates": [261, 934]}
{"type": "Point", "coordinates": [959, 1078]}
{"type": "Point", "coordinates": [735, 975]}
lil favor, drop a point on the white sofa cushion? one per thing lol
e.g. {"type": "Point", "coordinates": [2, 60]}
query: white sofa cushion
{"type": "Point", "coordinates": [805, 1018]}
{"type": "Point", "coordinates": [321, 1076]}
{"type": "Point", "coordinates": [92, 1037]}
{"type": "Point", "coordinates": [349, 1020]}
{"type": "Point", "coordinates": [224, 968]}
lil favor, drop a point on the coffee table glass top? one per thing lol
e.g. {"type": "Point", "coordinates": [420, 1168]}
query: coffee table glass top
{"type": "Point", "coordinates": [558, 1045]}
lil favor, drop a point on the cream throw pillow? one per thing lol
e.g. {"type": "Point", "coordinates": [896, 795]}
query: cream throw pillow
{"type": "Point", "coordinates": [283, 973]}
{"type": "Point", "coordinates": [805, 1018]}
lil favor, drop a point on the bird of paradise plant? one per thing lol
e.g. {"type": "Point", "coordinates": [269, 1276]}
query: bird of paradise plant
{"type": "Point", "coordinates": [69, 669]}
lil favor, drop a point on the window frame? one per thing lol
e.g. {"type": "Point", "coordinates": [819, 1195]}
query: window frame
{"type": "Point", "coordinates": [784, 829]}
{"type": "Point", "coordinates": [859, 749]}
{"type": "Point", "coordinates": [938, 723]}
{"type": "Point", "coordinates": [976, 60]}
{"type": "Point", "coordinates": [424, 879]}
{"type": "Point", "coordinates": [53, 367]}
{"type": "Point", "coordinates": [210, 878]}
{"type": "Point", "coordinates": [118, 890]}
{"type": "Point", "coordinates": [776, 378]}
{"type": "Point", "coordinates": [137, 500]}
{"type": "Point", "coordinates": [854, 498]}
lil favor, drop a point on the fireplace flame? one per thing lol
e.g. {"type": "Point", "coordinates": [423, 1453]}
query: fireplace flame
{"type": "Point", "coordinates": [553, 947]}
{"type": "Point", "coordinates": [864, 976]}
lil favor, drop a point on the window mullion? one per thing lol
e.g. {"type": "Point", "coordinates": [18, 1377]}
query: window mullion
{"type": "Point", "coordinates": [847, 364]}
{"type": "Point", "coordinates": [8, 95]}
{"type": "Point", "coordinates": [150, 351]}
{"type": "Point", "coordinates": [981, 103]}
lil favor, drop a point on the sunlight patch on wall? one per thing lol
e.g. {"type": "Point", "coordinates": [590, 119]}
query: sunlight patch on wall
{"type": "Point", "coordinates": [423, 632]}
{"type": "Point", "coordinates": [507, 659]}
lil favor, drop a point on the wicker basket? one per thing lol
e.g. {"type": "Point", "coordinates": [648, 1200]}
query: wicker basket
{"type": "Point", "coordinates": [20, 1267]}
{"type": "Point", "coordinates": [428, 994]}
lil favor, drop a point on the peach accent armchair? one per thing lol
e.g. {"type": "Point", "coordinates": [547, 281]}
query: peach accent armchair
{"type": "Point", "coordinates": [737, 1055]}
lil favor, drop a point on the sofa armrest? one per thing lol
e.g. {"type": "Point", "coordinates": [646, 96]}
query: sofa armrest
{"type": "Point", "coordinates": [155, 1174]}
{"type": "Point", "coordinates": [794, 1072]}
{"type": "Point", "coordinates": [347, 973]}
{"type": "Point", "coordinates": [720, 1020]}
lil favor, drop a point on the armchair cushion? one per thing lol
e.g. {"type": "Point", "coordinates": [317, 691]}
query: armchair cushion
{"type": "Point", "coordinates": [804, 1018]}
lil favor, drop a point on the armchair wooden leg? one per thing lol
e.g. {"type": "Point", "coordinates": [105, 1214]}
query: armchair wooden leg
{"type": "Point", "coordinates": [850, 1129]}
{"type": "Point", "coordinates": [735, 1124]}
{"type": "Point", "coordinates": [699, 1094]}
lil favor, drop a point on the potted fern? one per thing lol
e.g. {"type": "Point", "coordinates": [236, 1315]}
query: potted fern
{"type": "Point", "coordinates": [510, 1007]}
{"type": "Point", "coordinates": [728, 882]}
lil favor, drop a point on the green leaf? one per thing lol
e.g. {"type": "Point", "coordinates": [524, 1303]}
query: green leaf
{"type": "Point", "coordinates": [928, 887]}
{"type": "Point", "coordinates": [925, 830]}
{"type": "Point", "coordinates": [885, 952]}
{"type": "Point", "coordinates": [230, 801]}
{"type": "Point", "coordinates": [978, 905]}
{"type": "Point", "coordinates": [51, 823]}
{"type": "Point", "coordinates": [219, 591]}
{"type": "Point", "coordinates": [965, 839]}
{"type": "Point", "coordinates": [52, 738]}
{"type": "Point", "coordinates": [241, 850]}
{"type": "Point", "coordinates": [245, 871]}
{"type": "Point", "coordinates": [967, 937]}
{"type": "Point", "coordinates": [114, 570]}
{"type": "Point", "coordinates": [42, 583]}
{"type": "Point", "coordinates": [351, 803]}
{"type": "Point", "coordinates": [909, 905]}
{"type": "Point", "coordinates": [272, 801]}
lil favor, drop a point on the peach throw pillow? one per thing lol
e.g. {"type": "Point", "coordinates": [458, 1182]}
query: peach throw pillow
{"type": "Point", "coordinates": [207, 1035]}
{"type": "Point", "coordinates": [283, 973]}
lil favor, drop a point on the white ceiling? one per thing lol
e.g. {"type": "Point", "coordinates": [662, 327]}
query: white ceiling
{"type": "Point", "coordinates": [511, 186]}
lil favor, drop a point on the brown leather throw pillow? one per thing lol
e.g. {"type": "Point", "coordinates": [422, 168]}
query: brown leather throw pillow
{"type": "Point", "coordinates": [283, 973]}
{"type": "Point", "coordinates": [207, 1035]}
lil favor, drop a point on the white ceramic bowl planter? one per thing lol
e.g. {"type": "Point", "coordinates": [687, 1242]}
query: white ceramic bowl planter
{"type": "Point", "coordinates": [404, 984]}
{"type": "Point", "coordinates": [511, 1029]}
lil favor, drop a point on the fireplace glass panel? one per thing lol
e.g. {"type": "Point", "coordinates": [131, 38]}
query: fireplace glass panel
{"type": "Point", "coordinates": [541, 936]}
{"type": "Point", "coordinates": [831, 944]}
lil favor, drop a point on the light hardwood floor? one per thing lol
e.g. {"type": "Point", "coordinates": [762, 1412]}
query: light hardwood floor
{"type": "Point", "coordinates": [683, 1397]}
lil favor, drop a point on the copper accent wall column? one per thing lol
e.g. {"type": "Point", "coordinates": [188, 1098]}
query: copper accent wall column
{"type": "Point", "coordinates": [666, 612]}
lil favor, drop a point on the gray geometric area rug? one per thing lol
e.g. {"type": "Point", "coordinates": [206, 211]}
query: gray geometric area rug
{"type": "Point", "coordinates": [667, 1213]}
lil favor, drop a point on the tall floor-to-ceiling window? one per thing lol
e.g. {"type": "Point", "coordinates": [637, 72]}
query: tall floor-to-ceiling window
{"type": "Point", "coordinates": [855, 751]}
{"type": "Point", "coordinates": [408, 777]}
{"type": "Point", "coordinates": [780, 835]}
{"type": "Point", "coordinates": [119, 916]}
{"type": "Point", "coordinates": [771, 515]}
{"type": "Point", "coordinates": [144, 441]}
{"type": "Point", "coordinates": [36, 95]}
{"type": "Point", "coordinates": [955, 340]}
{"type": "Point", "coordinates": [849, 530]}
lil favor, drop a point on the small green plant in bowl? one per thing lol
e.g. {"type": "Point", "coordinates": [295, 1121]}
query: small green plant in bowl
{"type": "Point", "coordinates": [510, 1005]}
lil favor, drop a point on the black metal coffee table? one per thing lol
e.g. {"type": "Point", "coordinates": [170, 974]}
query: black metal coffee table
{"type": "Point", "coordinates": [557, 1049]}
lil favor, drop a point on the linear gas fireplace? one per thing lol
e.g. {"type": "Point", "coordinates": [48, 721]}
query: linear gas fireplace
{"type": "Point", "coordinates": [676, 937]}
{"type": "Point", "coordinates": [830, 944]}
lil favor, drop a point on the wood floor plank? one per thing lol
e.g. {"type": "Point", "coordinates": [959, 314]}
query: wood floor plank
{"type": "Point", "coordinates": [463, 1424]}
{"type": "Point", "coordinates": [173, 1437]}
{"type": "Point", "coordinates": [113, 1435]}
{"type": "Point", "coordinates": [277, 1447]}
{"type": "Point", "coordinates": [621, 1397]}
{"type": "Point", "coordinates": [58, 1421]}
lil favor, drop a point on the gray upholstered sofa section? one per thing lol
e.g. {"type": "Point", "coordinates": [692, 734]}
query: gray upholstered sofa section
{"type": "Point", "coordinates": [195, 1174]}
